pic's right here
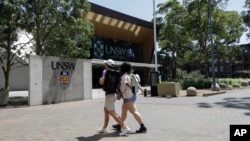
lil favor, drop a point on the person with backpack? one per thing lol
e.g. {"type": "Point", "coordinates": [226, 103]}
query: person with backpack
{"type": "Point", "coordinates": [136, 82]}
{"type": "Point", "coordinates": [129, 97]}
{"type": "Point", "coordinates": [110, 97]}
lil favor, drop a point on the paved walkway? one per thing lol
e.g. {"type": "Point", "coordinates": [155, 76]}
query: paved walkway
{"type": "Point", "coordinates": [168, 119]}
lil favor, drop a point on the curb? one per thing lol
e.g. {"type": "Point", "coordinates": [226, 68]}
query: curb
{"type": "Point", "coordinates": [214, 93]}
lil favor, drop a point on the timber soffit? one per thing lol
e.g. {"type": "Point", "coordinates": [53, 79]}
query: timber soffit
{"type": "Point", "coordinates": [120, 16]}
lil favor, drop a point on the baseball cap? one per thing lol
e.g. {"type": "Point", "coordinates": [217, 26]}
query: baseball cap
{"type": "Point", "coordinates": [109, 62]}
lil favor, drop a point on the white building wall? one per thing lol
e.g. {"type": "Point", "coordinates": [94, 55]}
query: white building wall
{"type": "Point", "coordinates": [18, 78]}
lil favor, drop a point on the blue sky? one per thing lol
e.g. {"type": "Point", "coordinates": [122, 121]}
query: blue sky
{"type": "Point", "coordinates": [143, 9]}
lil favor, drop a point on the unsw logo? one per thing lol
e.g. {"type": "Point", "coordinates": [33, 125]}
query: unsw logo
{"type": "Point", "coordinates": [239, 132]}
{"type": "Point", "coordinates": [64, 79]}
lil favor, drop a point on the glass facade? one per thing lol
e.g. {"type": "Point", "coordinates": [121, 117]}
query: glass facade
{"type": "Point", "coordinates": [105, 48]}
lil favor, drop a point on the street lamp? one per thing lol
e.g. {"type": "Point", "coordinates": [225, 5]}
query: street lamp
{"type": "Point", "coordinates": [212, 44]}
{"type": "Point", "coordinates": [155, 46]}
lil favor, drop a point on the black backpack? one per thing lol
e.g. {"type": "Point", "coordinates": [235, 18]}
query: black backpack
{"type": "Point", "coordinates": [111, 81]}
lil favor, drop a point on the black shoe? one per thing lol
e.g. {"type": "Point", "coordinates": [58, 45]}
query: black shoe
{"type": "Point", "coordinates": [142, 130]}
{"type": "Point", "coordinates": [117, 127]}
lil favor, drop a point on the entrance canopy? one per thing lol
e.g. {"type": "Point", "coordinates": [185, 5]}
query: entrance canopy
{"type": "Point", "coordinates": [116, 25]}
{"type": "Point", "coordinates": [99, 63]}
{"type": "Point", "coordinates": [118, 28]}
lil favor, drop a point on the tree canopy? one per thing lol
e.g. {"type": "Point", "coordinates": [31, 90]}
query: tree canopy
{"type": "Point", "coordinates": [10, 23]}
{"type": "Point", "coordinates": [185, 31]}
{"type": "Point", "coordinates": [52, 28]}
{"type": "Point", "coordinates": [246, 17]}
{"type": "Point", "coordinates": [59, 27]}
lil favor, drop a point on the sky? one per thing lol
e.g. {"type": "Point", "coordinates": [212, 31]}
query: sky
{"type": "Point", "coordinates": [143, 9]}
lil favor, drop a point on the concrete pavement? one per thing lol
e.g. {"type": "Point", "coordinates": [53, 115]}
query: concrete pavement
{"type": "Point", "coordinates": [167, 119]}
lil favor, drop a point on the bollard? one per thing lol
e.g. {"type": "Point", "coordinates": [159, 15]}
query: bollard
{"type": "Point", "coordinates": [145, 92]}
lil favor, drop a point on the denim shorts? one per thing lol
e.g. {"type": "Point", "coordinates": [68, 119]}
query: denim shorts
{"type": "Point", "coordinates": [132, 99]}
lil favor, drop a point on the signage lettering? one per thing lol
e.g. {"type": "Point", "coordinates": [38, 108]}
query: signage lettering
{"type": "Point", "coordinates": [240, 132]}
{"type": "Point", "coordinates": [116, 51]}
{"type": "Point", "coordinates": [119, 50]}
{"type": "Point", "coordinates": [63, 65]}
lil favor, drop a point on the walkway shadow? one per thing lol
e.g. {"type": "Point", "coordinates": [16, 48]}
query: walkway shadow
{"type": "Point", "coordinates": [238, 103]}
{"type": "Point", "coordinates": [97, 137]}
{"type": "Point", "coordinates": [231, 102]}
{"type": "Point", "coordinates": [16, 102]}
{"type": "Point", "coordinates": [204, 105]}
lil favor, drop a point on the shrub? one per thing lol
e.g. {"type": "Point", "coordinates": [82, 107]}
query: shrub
{"type": "Point", "coordinates": [193, 74]}
{"type": "Point", "coordinates": [187, 83]}
{"type": "Point", "coordinates": [198, 83]}
{"type": "Point", "coordinates": [228, 81]}
{"type": "Point", "coordinates": [195, 79]}
{"type": "Point", "coordinates": [207, 83]}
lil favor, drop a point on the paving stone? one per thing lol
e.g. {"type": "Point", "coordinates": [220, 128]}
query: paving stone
{"type": "Point", "coordinates": [172, 119]}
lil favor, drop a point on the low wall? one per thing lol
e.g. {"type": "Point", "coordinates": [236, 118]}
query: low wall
{"type": "Point", "coordinates": [165, 89]}
{"type": "Point", "coordinates": [55, 80]}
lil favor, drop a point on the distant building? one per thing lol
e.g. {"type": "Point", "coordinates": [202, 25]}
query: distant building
{"type": "Point", "coordinates": [238, 66]}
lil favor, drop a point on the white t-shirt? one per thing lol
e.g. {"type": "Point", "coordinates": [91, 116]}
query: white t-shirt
{"type": "Point", "coordinates": [125, 89]}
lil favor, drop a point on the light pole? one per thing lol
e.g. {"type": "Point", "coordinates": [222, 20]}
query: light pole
{"type": "Point", "coordinates": [155, 46]}
{"type": "Point", "coordinates": [212, 43]}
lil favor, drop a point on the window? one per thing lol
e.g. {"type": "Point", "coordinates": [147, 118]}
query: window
{"type": "Point", "coordinates": [221, 68]}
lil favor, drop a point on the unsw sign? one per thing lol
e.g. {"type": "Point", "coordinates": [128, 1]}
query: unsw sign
{"type": "Point", "coordinates": [65, 67]}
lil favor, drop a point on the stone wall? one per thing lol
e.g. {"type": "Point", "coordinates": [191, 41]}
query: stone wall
{"type": "Point", "coordinates": [56, 80]}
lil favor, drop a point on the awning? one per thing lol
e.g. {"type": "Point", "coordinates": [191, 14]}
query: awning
{"type": "Point", "coordinates": [100, 62]}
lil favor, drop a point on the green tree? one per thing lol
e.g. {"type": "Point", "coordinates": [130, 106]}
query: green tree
{"type": "Point", "coordinates": [185, 32]}
{"type": "Point", "coordinates": [227, 29]}
{"type": "Point", "coordinates": [59, 27]}
{"type": "Point", "coordinates": [246, 17]}
{"type": "Point", "coordinates": [173, 39]}
{"type": "Point", "coordinates": [10, 23]}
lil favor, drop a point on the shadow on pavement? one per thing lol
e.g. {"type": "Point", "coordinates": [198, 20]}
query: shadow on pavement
{"type": "Point", "coordinates": [231, 102]}
{"type": "Point", "coordinates": [204, 105]}
{"type": "Point", "coordinates": [97, 137]}
{"type": "Point", "coordinates": [16, 102]}
{"type": "Point", "coordinates": [238, 103]}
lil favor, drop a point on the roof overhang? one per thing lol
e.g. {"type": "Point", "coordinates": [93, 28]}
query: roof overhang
{"type": "Point", "coordinates": [99, 13]}
{"type": "Point", "coordinates": [109, 23]}
{"type": "Point", "coordinates": [100, 62]}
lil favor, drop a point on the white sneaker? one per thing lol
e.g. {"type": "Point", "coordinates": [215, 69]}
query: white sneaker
{"type": "Point", "coordinates": [128, 128]}
{"type": "Point", "coordinates": [102, 130]}
{"type": "Point", "coordinates": [124, 132]}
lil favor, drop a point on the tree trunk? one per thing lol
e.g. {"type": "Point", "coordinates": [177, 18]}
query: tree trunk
{"type": "Point", "coordinates": [8, 63]}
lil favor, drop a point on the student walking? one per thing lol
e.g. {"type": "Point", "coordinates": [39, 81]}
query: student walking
{"type": "Point", "coordinates": [137, 83]}
{"type": "Point", "coordinates": [129, 98]}
{"type": "Point", "coordinates": [109, 106]}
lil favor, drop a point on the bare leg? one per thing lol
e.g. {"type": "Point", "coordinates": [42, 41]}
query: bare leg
{"type": "Point", "coordinates": [117, 118]}
{"type": "Point", "coordinates": [124, 113]}
{"type": "Point", "coordinates": [131, 107]}
{"type": "Point", "coordinates": [106, 118]}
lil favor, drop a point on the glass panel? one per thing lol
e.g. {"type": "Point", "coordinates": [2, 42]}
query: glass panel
{"type": "Point", "coordinates": [105, 48]}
